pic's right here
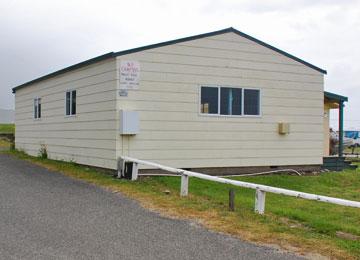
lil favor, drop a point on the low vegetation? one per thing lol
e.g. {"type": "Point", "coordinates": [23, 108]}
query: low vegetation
{"type": "Point", "coordinates": [355, 150]}
{"type": "Point", "coordinates": [294, 224]}
{"type": "Point", "coordinates": [7, 128]}
{"type": "Point", "coordinates": [43, 152]}
{"type": "Point", "coordinates": [4, 144]}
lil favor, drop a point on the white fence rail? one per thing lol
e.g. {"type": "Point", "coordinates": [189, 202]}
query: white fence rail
{"type": "Point", "coordinates": [260, 189]}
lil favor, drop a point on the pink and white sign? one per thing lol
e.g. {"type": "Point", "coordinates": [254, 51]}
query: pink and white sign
{"type": "Point", "coordinates": [129, 74]}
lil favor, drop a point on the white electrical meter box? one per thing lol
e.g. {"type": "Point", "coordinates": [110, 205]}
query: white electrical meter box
{"type": "Point", "coordinates": [129, 122]}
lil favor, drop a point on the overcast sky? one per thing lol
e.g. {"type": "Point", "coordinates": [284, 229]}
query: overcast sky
{"type": "Point", "coordinates": [39, 37]}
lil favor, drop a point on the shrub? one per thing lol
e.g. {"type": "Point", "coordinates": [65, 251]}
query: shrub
{"type": "Point", "coordinates": [43, 152]}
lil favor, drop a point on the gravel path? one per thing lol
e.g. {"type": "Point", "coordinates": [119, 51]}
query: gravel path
{"type": "Point", "coordinates": [46, 215]}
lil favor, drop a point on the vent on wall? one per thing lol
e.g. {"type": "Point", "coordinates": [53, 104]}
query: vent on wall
{"type": "Point", "coordinates": [284, 128]}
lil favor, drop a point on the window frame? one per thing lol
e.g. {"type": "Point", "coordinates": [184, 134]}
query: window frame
{"type": "Point", "coordinates": [71, 97]}
{"type": "Point", "coordinates": [199, 105]}
{"type": "Point", "coordinates": [219, 101]}
{"type": "Point", "coordinates": [36, 99]}
{"type": "Point", "coordinates": [243, 101]}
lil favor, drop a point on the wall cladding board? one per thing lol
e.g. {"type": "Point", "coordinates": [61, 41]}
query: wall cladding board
{"type": "Point", "coordinates": [155, 57]}
{"type": "Point", "coordinates": [172, 130]}
{"type": "Point", "coordinates": [86, 138]}
{"type": "Point", "coordinates": [174, 133]}
{"type": "Point", "coordinates": [72, 77]}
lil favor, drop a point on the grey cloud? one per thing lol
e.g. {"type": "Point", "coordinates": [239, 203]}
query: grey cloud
{"type": "Point", "coordinates": [38, 37]}
{"type": "Point", "coordinates": [259, 7]}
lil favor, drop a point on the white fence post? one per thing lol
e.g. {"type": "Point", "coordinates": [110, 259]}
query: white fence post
{"type": "Point", "coordinates": [184, 185]}
{"type": "Point", "coordinates": [260, 189]}
{"type": "Point", "coordinates": [260, 201]}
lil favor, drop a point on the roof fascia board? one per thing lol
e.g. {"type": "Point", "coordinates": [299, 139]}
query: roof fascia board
{"type": "Point", "coordinates": [227, 30]}
{"type": "Point", "coordinates": [162, 44]}
{"type": "Point", "coordinates": [157, 45]}
{"type": "Point", "coordinates": [334, 96]}
{"type": "Point", "coordinates": [279, 51]}
{"type": "Point", "coordinates": [67, 69]}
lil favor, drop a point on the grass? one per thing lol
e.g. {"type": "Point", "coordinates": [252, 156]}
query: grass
{"type": "Point", "coordinates": [4, 144]}
{"type": "Point", "coordinates": [295, 224]}
{"type": "Point", "coordinates": [7, 128]}
{"type": "Point", "coordinates": [350, 150]}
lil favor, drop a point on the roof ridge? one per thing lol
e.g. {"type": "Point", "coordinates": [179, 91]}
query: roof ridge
{"type": "Point", "coordinates": [222, 31]}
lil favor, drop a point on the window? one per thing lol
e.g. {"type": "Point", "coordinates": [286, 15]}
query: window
{"type": "Point", "coordinates": [37, 108]}
{"type": "Point", "coordinates": [230, 101]}
{"type": "Point", "coordinates": [252, 102]}
{"type": "Point", "coordinates": [70, 106]}
{"type": "Point", "coordinates": [209, 100]}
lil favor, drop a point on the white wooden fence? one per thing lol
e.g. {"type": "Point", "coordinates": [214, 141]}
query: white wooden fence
{"type": "Point", "coordinates": [260, 189]}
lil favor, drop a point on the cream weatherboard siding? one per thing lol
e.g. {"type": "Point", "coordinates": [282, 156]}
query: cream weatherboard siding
{"type": "Point", "coordinates": [86, 138]}
{"type": "Point", "coordinates": [173, 132]}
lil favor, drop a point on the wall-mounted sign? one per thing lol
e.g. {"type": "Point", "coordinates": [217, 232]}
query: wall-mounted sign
{"type": "Point", "coordinates": [129, 74]}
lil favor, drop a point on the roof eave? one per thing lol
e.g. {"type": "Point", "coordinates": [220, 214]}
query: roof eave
{"type": "Point", "coordinates": [336, 97]}
{"type": "Point", "coordinates": [279, 51]}
{"type": "Point", "coordinates": [227, 30]}
{"type": "Point", "coordinates": [152, 46]}
{"type": "Point", "coordinates": [70, 68]}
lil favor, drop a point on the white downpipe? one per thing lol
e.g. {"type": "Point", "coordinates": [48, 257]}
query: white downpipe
{"type": "Point", "coordinates": [260, 187]}
{"type": "Point", "coordinates": [226, 175]}
{"type": "Point", "coordinates": [263, 173]}
{"type": "Point", "coordinates": [159, 175]}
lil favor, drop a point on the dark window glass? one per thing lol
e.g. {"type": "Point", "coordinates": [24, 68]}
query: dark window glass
{"type": "Point", "coordinates": [230, 101]}
{"type": "Point", "coordinates": [35, 108]}
{"type": "Point", "coordinates": [39, 108]}
{"type": "Point", "coordinates": [251, 102]}
{"type": "Point", "coordinates": [73, 102]}
{"type": "Point", "coordinates": [209, 100]}
{"type": "Point", "coordinates": [67, 108]}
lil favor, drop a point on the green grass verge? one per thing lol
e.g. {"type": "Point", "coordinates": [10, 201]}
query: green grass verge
{"type": "Point", "coordinates": [7, 128]}
{"type": "Point", "coordinates": [295, 224]}
{"type": "Point", "coordinates": [4, 144]}
{"type": "Point", "coordinates": [351, 150]}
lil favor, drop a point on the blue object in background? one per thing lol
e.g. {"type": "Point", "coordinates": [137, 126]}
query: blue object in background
{"type": "Point", "coordinates": [352, 134]}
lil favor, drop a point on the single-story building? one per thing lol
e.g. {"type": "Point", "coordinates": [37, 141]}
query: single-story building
{"type": "Point", "coordinates": [220, 99]}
